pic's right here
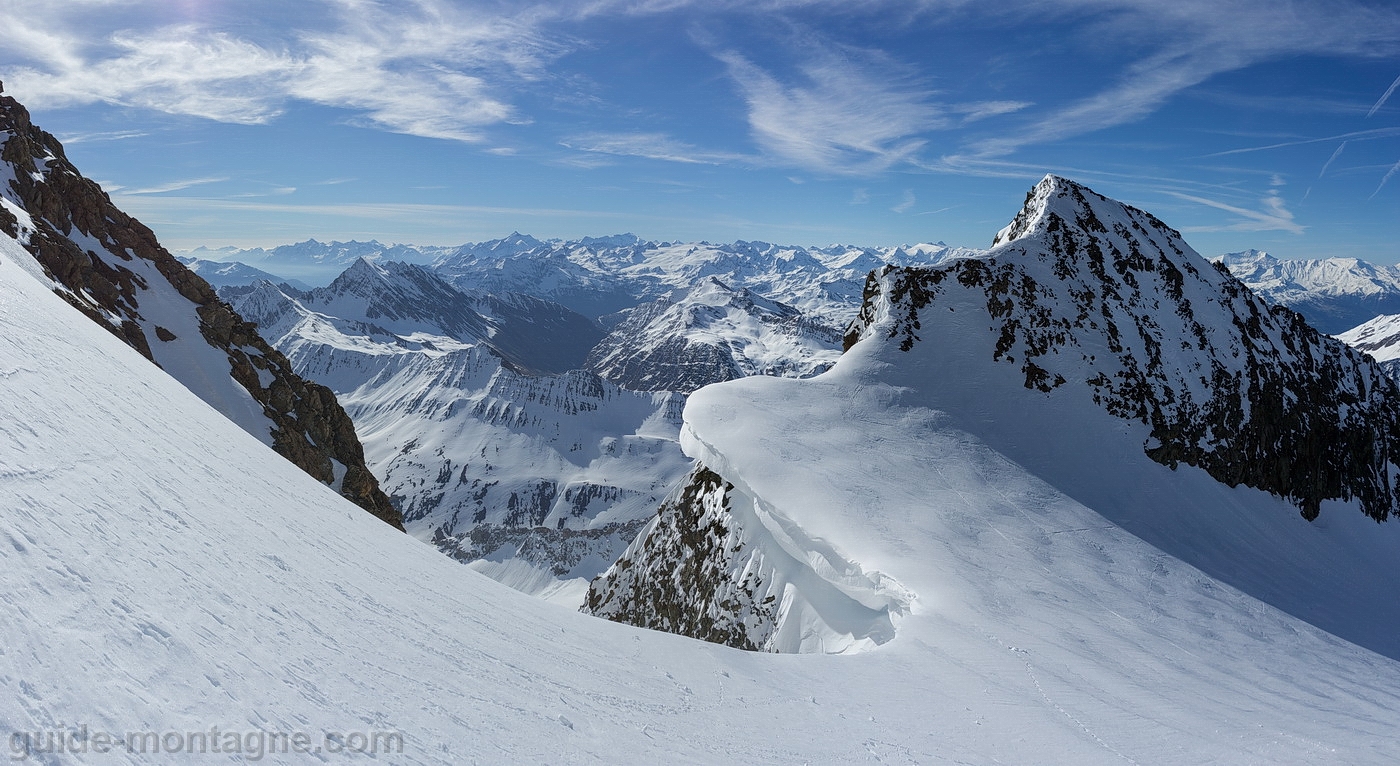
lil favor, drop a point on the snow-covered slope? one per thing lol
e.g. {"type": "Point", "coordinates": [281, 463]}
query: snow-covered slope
{"type": "Point", "coordinates": [110, 267]}
{"type": "Point", "coordinates": [144, 592]}
{"type": "Point", "coordinates": [1091, 355]}
{"type": "Point", "coordinates": [1335, 294]}
{"type": "Point", "coordinates": [1378, 339]}
{"type": "Point", "coordinates": [407, 301]}
{"type": "Point", "coordinates": [539, 480]}
{"type": "Point", "coordinates": [709, 334]}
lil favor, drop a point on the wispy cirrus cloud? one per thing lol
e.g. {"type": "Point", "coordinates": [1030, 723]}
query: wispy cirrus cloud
{"type": "Point", "coordinates": [1384, 97]}
{"type": "Point", "coordinates": [840, 119]}
{"type": "Point", "coordinates": [427, 68]}
{"type": "Point", "coordinates": [1274, 215]}
{"type": "Point", "coordinates": [69, 139]}
{"type": "Point", "coordinates": [173, 186]}
{"type": "Point", "coordinates": [654, 146]}
{"type": "Point", "coordinates": [1359, 135]}
{"type": "Point", "coordinates": [1191, 41]}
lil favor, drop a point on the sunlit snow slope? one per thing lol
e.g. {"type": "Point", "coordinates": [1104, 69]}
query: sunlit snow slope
{"type": "Point", "coordinates": [162, 570]}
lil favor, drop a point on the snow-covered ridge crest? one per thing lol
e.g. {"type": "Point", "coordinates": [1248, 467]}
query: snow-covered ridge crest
{"type": "Point", "coordinates": [1087, 291]}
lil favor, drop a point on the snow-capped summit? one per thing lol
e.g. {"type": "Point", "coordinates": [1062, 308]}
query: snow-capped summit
{"type": "Point", "coordinates": [1087, 289]}
{"type": "Point", "coordinates": [402, 298]}
{"type": "Point", "coordinates": [1335, 294]}
{"type": "Point", "coordinates": [711, 333]}
{"type": "Point", "coordinates": [1092, 355]}
{"type": "Point", "coordinates": [110, 266]}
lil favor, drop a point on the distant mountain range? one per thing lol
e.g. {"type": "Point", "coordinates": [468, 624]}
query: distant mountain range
{"type": "Point", "coordinates": [1335, 294]}
{"type": "Point", "coordinates": [596, 276]}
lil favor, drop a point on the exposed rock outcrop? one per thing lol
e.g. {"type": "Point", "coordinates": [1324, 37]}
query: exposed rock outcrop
{"type": "Point", "coordinates": [111, 267]}
{"type": "Point", "coordinates": [1086, 289]}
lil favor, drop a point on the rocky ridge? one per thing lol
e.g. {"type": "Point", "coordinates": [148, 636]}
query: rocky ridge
{"type": "Point", "coordinates": [1081, 288]}
{"type": "Point", "coordinates": [111, 268]}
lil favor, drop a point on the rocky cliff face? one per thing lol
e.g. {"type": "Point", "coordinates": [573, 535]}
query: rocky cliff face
{"type": "Point", "coordinates": [1088, 291]}
{"type": "Point", "coordinates": [719, 565]}
{"type": "Point", "coordinates": [110, 267]}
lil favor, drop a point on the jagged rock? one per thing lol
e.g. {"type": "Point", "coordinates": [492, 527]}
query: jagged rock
{"type": "Point", "coordinates": [716, 565]}
{"type": "Point", "coordinates": [1086, 288]}
{"type": "Point", "coordinates": [107, 264]}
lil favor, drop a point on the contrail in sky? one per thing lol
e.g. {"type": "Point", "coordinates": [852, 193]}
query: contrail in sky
{"type": "Point", "coordinates": [1332, 159]}
{"type": "Point", "coordinates": [1388, 91]}
{"type": "Point", "coordinates": [1388, 174]}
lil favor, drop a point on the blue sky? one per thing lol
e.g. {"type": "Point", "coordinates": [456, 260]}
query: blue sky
{"type": "Point", "coordinates": [1244, 124]}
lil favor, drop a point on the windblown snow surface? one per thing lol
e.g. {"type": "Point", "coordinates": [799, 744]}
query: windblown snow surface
{"type": "Point", "coordinates": [162, 570]}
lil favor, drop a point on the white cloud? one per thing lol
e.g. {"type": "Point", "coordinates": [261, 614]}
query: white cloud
{"type": "Point", "coordinates": [1384, 97]}
{"type": "Point", "coordinates": [840, 120]}
{"type": "Point", "coordinates": [174, 186]}
{"type": "Point", "coordinates": [424, 68]}
{"type": "Point", "coordinates": [1192, 41]}
{"type": "Point", "coordinates": [1388, 174]}
{"type": "Point", "coordinates": [907, 203]}
{"type": "Point", "coordinates": [654, 146]}
{"type": "Point", "coordinates": [1274, 216]}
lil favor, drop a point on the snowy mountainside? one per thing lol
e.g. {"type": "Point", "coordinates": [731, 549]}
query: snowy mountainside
{"type": "Point", "coordinates": [1081, 647]}
{"type": "Point", "coordinates": [540, 480]}
{"type": "Point", "coordinates": [1378, 339]}
{"type": "Point", "coordinates": [111, 268]}
{"type": "Point", "coordinates": [522, 264]}
{"type": "Point", "coordinates": [709, 334]}
{"type": "Point", "coordinates": [1335, 294]}
{"type": "Point", "coordinates": [596, 276]}
{"type": "Point", "coordinates": [407, 301]}
{"type": "Point", "coordinates": [1091, 348]}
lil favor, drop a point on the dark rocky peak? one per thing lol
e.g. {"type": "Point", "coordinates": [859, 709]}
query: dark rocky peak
{"type": "Point", "coordinates": [112, 269]}
{"type": "Point", "coordinates": [1084, 291]}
